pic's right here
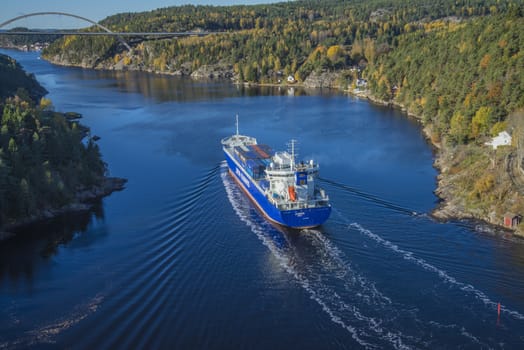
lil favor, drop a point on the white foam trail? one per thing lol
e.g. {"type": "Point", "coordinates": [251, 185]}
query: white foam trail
{"type": "Point", "coordinates": [370, 294]}
{"type": "Point", "coordinates": [333, 253]}
{"type": "Point", "coordinates": [462, 331]}
{"type": "Point", "coordinates": [328, 299]}
{"type": "Point", "coordinates": [46, 334]}
{"type": "Point", "coordinates": [441, 273]}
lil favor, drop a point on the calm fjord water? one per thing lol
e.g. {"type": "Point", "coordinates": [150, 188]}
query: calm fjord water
{"type": "Point", "coordinates": [181, 259]}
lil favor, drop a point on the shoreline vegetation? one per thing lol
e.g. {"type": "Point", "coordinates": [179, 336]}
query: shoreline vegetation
{"type": "Point", "coordinates": [455, 66]}
{"type": "Point", "coordinates": [50, 165]}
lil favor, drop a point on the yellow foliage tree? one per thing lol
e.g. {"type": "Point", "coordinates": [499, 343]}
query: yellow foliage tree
{"type": "Point", "coordinates": [458, 130]}
{"type": "Point", "coordinates": [480, 122]}
{"type": "Point", "coordinates": [68, 40]}
{"type": "Point", "coordinates": [46, 104]}
{"type": "Point", "coordinates": [317, 53]}
{"type": "Point", "coordinates": [498, 128]}
{"type": "Point", "coordinates": [335, 52]}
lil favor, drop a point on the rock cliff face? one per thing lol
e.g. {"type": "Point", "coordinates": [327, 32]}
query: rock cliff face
{"type": "Point", "coordinates": [214, 71]}
{"type": "Point", "coordinates": [185, 69]}
{"type": "Point", "coordinates": [323, 80]}
{"type": "Point", "coordinates": [64, 60]}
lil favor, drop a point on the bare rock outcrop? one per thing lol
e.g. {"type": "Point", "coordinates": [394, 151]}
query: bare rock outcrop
{"type": "Point", "coordinates": [214, 71]}
{"type": "Point", "coordinates": [323, 80]}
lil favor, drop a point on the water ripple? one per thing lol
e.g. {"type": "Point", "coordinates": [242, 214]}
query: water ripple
{"type": "Point", "coordinates": [148, 283]}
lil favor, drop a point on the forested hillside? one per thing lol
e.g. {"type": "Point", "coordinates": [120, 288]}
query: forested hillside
{"type": "Point", "coordinates": [293, 38]}
{"type": "Point", "coordinates": [458, 65]}
{"type": "Point", "coordinates": [15, 80]}
{"type": "Point", "coordinates": [463, 77]}
{"type": "Point", "coordinates": [43, 162]}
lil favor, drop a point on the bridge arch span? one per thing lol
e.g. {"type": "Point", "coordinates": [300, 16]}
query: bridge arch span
{"type": "Point", "coordinates": [52, 13]}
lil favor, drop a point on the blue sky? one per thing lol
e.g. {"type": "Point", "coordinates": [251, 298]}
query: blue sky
{"type": "Point", "coordinates": [92, 9]}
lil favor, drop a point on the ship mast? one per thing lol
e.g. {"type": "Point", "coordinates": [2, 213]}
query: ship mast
{"type": "Point", "coordinates": [237, 124]}
{"type": "Point", "coordinates": [292, 144]}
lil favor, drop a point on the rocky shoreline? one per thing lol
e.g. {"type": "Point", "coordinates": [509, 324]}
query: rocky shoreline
{"type": "Point", "coordinates": [450, 207]}
{"type": "Point", "coordinates": [84, 200]}
{"type": "Point", "coordinates": [219, 71]}
{"type": "Point", "coordinates": [222, 71]}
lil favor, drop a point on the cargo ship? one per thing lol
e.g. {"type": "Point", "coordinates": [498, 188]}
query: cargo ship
{"type": "Point", "coordinates": [285, 191]}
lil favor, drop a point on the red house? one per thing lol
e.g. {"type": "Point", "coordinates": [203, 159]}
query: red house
{"type": "Point", "coordinates": [512, 220]}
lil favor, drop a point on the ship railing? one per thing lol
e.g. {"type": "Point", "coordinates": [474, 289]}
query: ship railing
{"type": "Point", "coordinates": [301, 204]}
{"type": "Point", "coordinates": [305, 166]}
{"type": "Point", "coordinates": [278, 174]}
{"type": "Point", "coordinates": [297, 167]}
{"type": "Point", "coordinates": [236, 140]}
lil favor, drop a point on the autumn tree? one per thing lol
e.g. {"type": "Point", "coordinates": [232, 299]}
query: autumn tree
{"type": "Point", "coordinates": [480, 124]}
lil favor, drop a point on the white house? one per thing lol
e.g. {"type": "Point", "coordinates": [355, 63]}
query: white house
{"type": "Point", "coordinates": [290, 79]}
{"type": "Point", "coordinates": [362, 82]}
{"type": "Point", "coordinates": [502, 139]}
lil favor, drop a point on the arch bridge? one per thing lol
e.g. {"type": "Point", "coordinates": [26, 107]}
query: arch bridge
{"type": "Point", "coordinates": [53, 13]}
{"type": "Point", "coordinates": [106, 30]}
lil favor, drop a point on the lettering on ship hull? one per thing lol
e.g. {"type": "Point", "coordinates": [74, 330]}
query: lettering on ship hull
{"type": "Point", "coordinates": [242, 177]}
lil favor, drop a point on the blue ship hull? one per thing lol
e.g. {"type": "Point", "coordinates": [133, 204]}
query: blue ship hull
{"type": "Point", "coordinates": [297, 218]}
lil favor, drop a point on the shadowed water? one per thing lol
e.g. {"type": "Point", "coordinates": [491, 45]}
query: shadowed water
{"type": "Point", "coordinates": [182, 259]}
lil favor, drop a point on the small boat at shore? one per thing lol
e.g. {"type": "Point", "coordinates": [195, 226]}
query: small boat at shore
{"type": "Point", "coordinates": [285, 191]}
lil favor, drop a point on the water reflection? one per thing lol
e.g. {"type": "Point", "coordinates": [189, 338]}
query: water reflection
{"type": "Point", "coordinates": [34, 244]}
{"type": "Point", "coordinates": [168, 88]}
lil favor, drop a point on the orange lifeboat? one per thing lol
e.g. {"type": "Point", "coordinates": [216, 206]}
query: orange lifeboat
{"type": "Point", "coordinates": [292, 194]}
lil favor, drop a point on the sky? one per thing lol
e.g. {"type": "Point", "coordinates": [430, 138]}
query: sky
{"type": "Point", "coordinates": [95, 10]}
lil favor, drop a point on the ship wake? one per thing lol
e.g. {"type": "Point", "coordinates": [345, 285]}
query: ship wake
{"type": "Point", "coordinates": [320, 268]}
{"type": "Point", "coordinates": [346, 294]}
